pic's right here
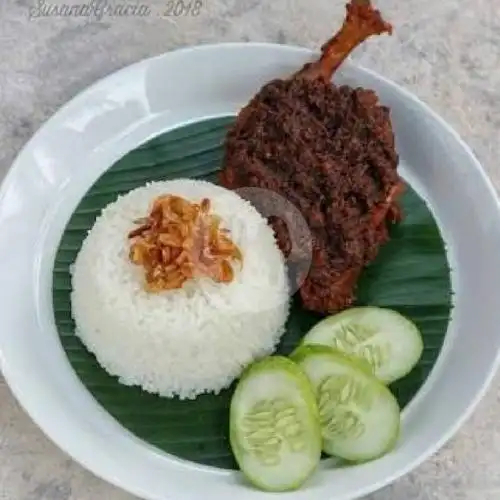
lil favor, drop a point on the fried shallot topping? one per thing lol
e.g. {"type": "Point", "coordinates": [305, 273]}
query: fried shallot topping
{"type": "Point", "coordinates": [180, 240]}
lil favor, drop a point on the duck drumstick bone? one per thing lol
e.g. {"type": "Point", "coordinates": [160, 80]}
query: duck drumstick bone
{"type": "Point", "coordinates": [361, 22]}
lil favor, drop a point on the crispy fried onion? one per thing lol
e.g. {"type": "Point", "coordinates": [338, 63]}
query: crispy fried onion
{"type": "Point", "coordinates": [180, 240]}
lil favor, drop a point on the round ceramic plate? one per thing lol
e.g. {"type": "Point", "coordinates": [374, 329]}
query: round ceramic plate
{"type": "Point", "coordinates": [166, 115]}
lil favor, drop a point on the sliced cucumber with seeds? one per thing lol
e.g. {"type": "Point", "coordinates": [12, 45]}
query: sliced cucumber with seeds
{"type": "Point", "coordinates": [388, 341]}
{"type": "Point", "coordinates": [274, 425]}
{"type": "Point", "coordinates": [359, 416]}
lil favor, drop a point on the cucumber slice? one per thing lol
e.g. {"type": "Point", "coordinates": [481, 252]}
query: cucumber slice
{"type": "Point", "coordinates": [389, 342]}
{"type": "Point", "coordinates": [359, 416]}
{"type": "Point", "coordinates": [274, 425]}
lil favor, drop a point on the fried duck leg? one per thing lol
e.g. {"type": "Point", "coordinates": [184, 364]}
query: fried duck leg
{"type": "Point", "coordinates": [330, 151]}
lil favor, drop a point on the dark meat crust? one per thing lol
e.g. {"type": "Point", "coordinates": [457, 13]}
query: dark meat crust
{"type": "Point", "coordinates": [330, 151]}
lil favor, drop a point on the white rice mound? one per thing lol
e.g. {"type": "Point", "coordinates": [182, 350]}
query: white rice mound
{"type": "Point", "coordinates": [184, 342]}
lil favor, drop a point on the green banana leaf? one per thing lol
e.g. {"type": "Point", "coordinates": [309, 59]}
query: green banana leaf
{"type": "Point", "coordinates": [410, 275]}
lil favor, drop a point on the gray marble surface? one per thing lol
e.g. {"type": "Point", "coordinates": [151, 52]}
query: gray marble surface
{"type": "Point", "coordinates": [447, 52]}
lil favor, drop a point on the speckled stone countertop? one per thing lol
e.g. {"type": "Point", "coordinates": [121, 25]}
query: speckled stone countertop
{"type": "Point", "coordinates": [447, 52]}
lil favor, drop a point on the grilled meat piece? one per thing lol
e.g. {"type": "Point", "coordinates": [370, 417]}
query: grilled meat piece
{"type": "Point", "coordinates": [330, 151]}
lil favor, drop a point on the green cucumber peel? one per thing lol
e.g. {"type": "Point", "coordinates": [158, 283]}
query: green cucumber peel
{"type": "Point", "coordinates": [388, 342]}
{"type": "Point", "coordinates": [359, 416]}
{"type": "Point", "coordinates": [275, 433]}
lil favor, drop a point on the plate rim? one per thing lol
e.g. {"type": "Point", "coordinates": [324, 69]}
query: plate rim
{"type": "Point", "coordinates": [22, 396]}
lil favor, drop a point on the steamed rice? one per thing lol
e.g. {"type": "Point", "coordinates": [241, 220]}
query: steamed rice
{"type": "Point", "coordinates": [181, 342]}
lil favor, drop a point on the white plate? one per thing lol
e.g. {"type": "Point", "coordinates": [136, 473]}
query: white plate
{"type": "Point", "coordinates": [124, 110]}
